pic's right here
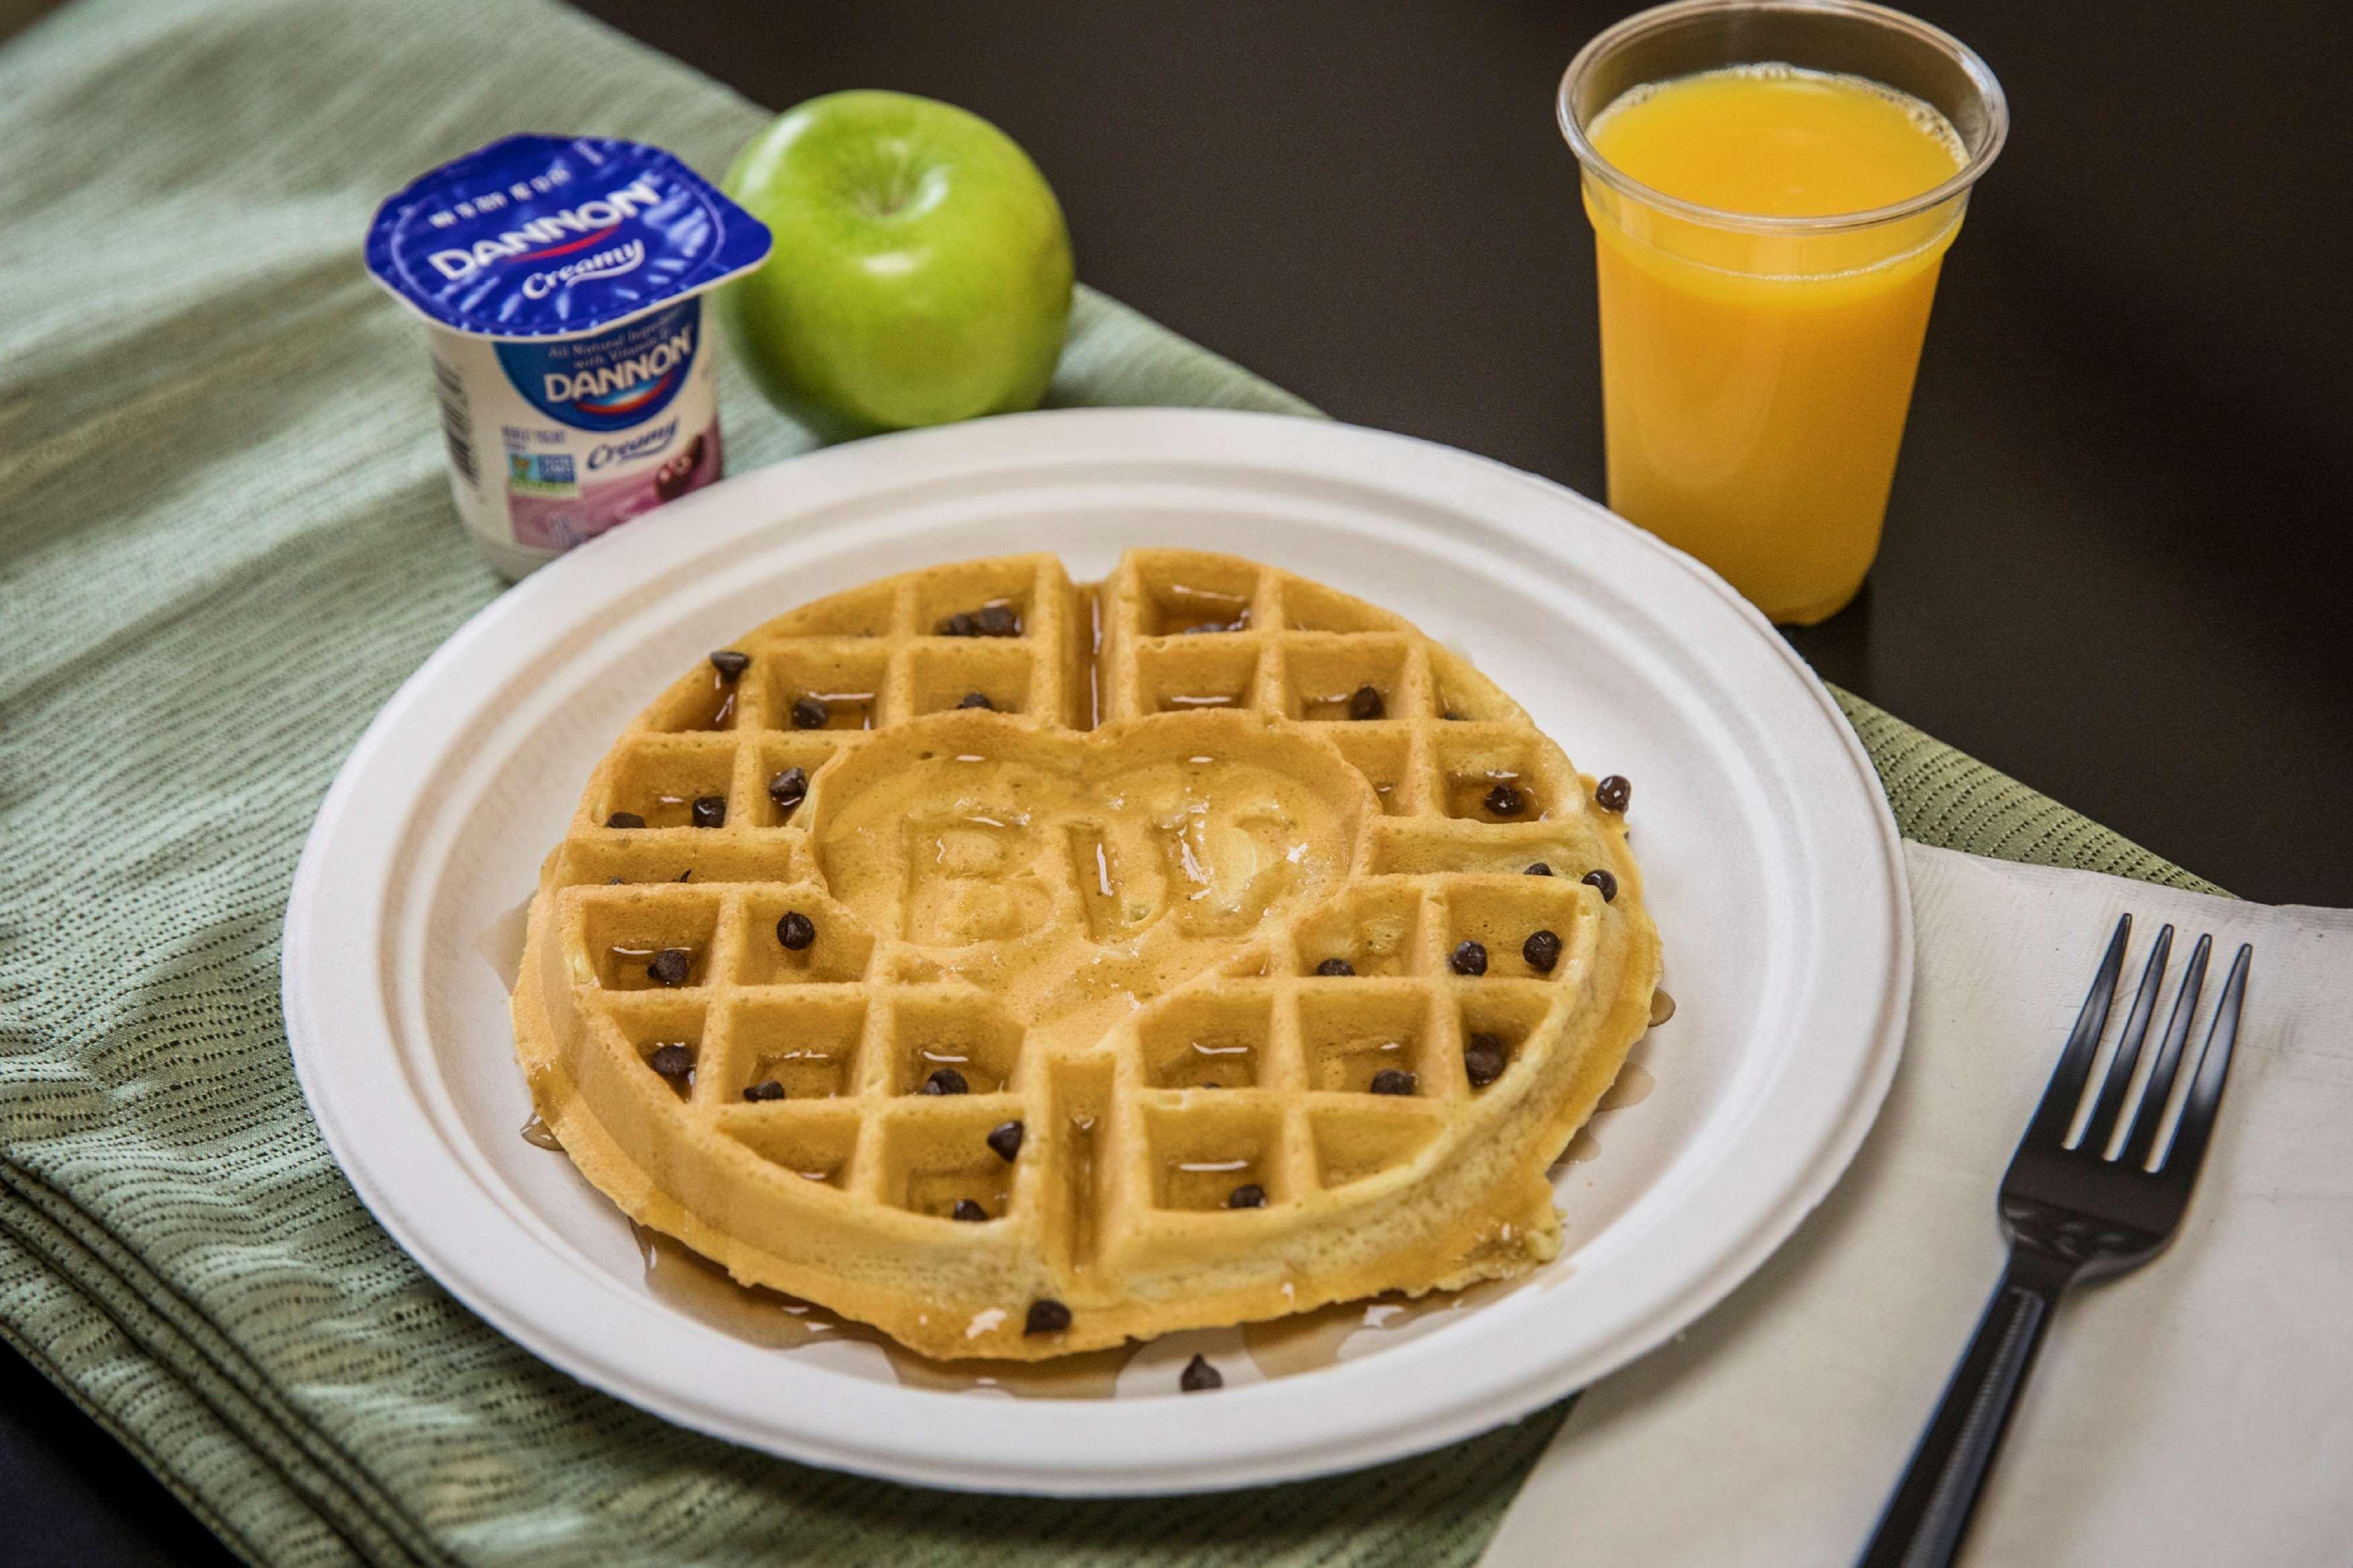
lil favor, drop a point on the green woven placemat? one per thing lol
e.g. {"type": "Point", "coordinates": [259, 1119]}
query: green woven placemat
{"type": "Point", "coordinates": [227, 539]}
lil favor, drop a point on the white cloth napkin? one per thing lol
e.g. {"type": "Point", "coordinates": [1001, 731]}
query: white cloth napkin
{"type": "Point", "coordinates": [2197, 1411]}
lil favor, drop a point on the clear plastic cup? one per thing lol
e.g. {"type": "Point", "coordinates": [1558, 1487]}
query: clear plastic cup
{"type": "Point", "coordinates": [1755, 371]}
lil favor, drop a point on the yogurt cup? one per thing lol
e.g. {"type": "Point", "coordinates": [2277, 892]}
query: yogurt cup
{"type": "Point", "coordinates": [560, 279]}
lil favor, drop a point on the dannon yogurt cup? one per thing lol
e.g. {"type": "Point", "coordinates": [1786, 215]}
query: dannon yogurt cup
{"type": "Point", "coordinates": [561, 282]}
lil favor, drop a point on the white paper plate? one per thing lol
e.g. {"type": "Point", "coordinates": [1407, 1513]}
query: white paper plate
{"type": "Point", "coordinates": [1768, 854]}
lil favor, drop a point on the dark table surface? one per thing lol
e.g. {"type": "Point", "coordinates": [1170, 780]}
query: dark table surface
{"type": "Point", "coordinates": [2117, 556]}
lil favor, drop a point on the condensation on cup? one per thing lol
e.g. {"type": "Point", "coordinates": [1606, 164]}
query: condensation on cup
{"type": "Point", "coordinates": [561, 282]}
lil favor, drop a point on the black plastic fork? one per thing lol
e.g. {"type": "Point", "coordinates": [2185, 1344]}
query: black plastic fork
{"type": "Point", "coordinates": [2072, 1213]}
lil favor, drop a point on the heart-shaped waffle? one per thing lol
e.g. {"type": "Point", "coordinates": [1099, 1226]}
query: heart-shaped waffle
{"type": "Point", "coordinates": [1023, 967]}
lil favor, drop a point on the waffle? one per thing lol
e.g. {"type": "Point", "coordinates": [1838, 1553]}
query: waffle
{"type": "Point", "coordinates": [1188, 982]}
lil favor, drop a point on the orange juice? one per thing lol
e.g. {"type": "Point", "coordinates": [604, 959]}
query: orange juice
{"type": "Point", "coordinates": [1756, 367]}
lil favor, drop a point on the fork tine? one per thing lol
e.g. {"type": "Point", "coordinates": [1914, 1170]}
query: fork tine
{"type": "Point", "coordinates": [2151, 1111]}
{"type": "Point", "coordinates": [2056, 1114]}
{"type": "Point", "coordinates": [2189, 1150]}
{"type": "Point", "coordinates": [2098, 1131]}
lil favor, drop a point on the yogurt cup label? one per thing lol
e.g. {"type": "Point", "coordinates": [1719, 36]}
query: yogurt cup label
{"type": "Point", "coordinates": [559, 280]}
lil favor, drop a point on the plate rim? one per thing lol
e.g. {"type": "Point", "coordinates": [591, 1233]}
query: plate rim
{"type": "Point", "coordinates": [1228, 439]}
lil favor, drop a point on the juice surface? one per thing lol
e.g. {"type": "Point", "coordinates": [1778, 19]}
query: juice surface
{"type": "Point", "coordinates": [1776, 142]}
{"type": "Point", "coordinates": [1755, 383]}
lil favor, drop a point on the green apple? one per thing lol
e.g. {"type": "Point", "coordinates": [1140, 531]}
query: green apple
{"type": "Point", "coordinates": [922, 270]}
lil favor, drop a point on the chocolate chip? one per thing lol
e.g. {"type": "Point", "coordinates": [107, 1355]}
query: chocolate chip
{"type": "Point", "coordinates": [1613, 793]}
{"type": "Point", "coordinates": [959, 625]}
{"type": "Point", "coordinates": [1004, 1139]}
{"type": "Point", "coordinates": [999, 621]}
{"type": "Point", "coordinates": [1249, 1196]}
{"type": "Point", "coordinates": [977, 700]}
{"type": "Point", "coordinates": [672, 1061]}
{"type": "Point", "coordinates": [788, 789]}
{"type": "Point", "coordinates": [1505, 800]}
{"type": "Point", "coordinates": [682, 876]}
{"type": "Point", "coordinates": [968, 1210]}
{"type": "Point", "coordinates": [710, 811]}
{"type": "Point", "coordinates": [670, 966]}
{"type": "Point", "coordinates": [1336, 966]}
{"type": "Point", "coordinates": [1538, 870]}
{"type": "Point", "coordinates": [1467, 958]}
{"type": "Point", "coordinates": [1603, 880]}
{"type": "Point", "coordinates": [1046, 1316]}
{"type": "Point", "coordinates": [1389, 1080]}
{"type": "Point", "coordinates": [1199, 1376]}
{"type": "Point", "coordinates": [1541, 950]}
{"type": "Point", "coordinates": [1365, 704]}
{"type": "Point", "coordinates": [730, 664]}
{"type": "Point", "coordinates": [766, 1089]}
{"type": "Point", "coordinates": [945, 1080]}
{"type": "Point", "coordinates": [625, 819]}
{"type": "Point", "coordinates": [1452, 717]}
{"type": "Point", "coordinates": [810, 713]}
{"type": "Point", "coordinates": [1483, 1060]}
{"type": "Point", "coordinates": [796, 931]}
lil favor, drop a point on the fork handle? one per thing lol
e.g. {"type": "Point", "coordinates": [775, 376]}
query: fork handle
{"type": "Point", "coordinates": [1929, 1513]}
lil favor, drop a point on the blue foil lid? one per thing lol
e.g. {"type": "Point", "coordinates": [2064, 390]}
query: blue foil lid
{"type": "Point", "coordinates": [548, 236]}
